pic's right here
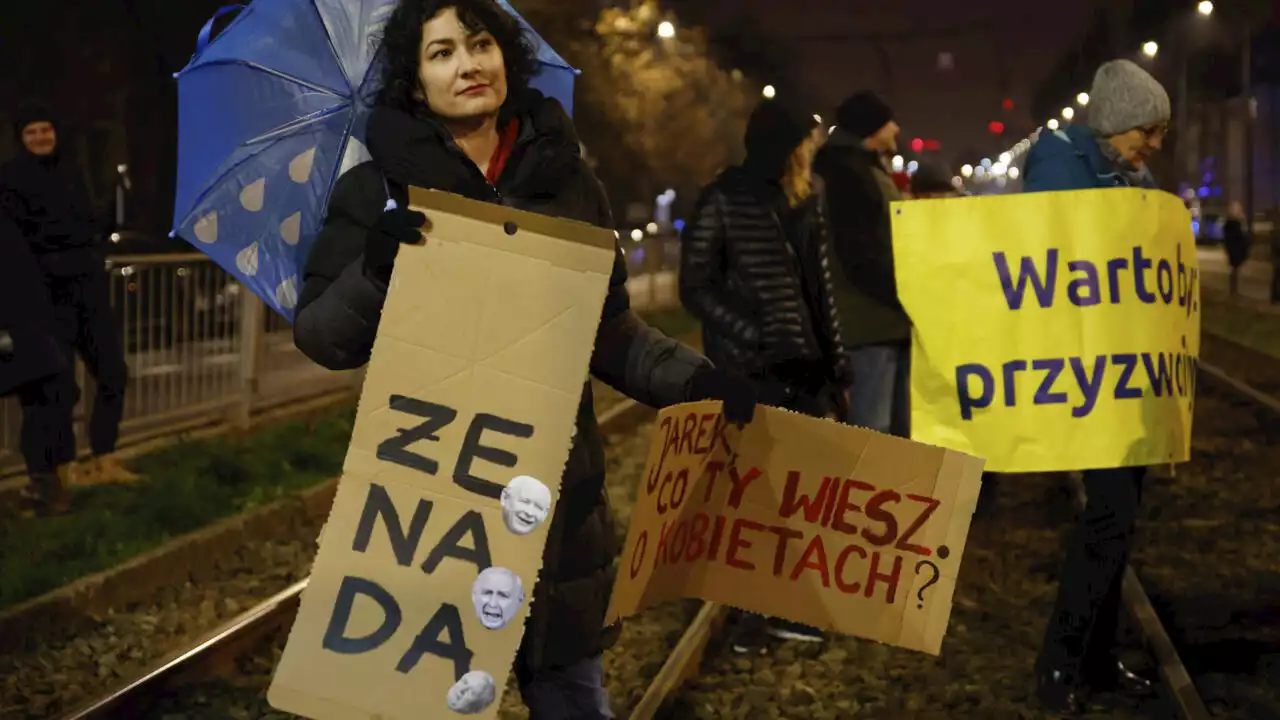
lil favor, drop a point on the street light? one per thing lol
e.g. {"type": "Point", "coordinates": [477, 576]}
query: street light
{"type": "Point", "coordinates": [1052, 124]}
{"type": "Point", "coordinates": [1083, 99]}
{"type": "Point", "coordinates": [666, 29]}
{"type": "Point", "coordinates": [1205, 8]}
{"type": "Point", "coordinates": [1150, 48]}
{"type": "Point", "coordinates": [1006, 157]}
{"type": "Point", "coordinates": [1013, 173]}
{"type": "Point", "coordinates": [769, 92]}
{"type": "Point", "coordinates": [1068, 113]}
{"type": "Point", "coordinates": [966, 170]}
{"type": "Point", "coordinates": [896, 163]}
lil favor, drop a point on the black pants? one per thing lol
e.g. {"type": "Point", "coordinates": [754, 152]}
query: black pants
{"type": "Point", "coordinates": [47, 438]}
{"type": "Point", "coordinates": [84, 325]}
{"type": "Point", "coordinates": [1081, 634]}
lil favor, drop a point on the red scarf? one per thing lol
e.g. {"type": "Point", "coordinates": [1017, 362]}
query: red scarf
{"type": "Point", "coordinates": [506, 141]}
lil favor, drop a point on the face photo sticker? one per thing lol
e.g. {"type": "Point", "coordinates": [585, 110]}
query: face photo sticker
{"type": "Point", "coordinates": [497, 594]}
{"type": "Point", "coordinates": [526, 503]}
{"type": "Point", "coordinates": [472, 694]}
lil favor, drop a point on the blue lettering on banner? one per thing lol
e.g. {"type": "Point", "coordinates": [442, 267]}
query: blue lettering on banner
{"type": "Point", "coordinates": [1166, 375]}
{"type": "Point", "coordinates": [1084, 287]}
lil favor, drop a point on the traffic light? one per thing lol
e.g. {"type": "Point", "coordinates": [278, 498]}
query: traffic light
{"type": "Point", "coordinates": [1007, 104]}
{"type": "Point", "coordinates": [932, 145]}
{"type": "Point", "coordinates": [917, 145]}
{"type": "Point", "coordinates": [996, 127]}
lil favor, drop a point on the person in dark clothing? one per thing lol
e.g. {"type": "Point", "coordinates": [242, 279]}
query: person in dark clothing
{"type": "Point", "coordinates": [34, 368]}
{"type": "Point", "coordinates": [1236, 242]}
{"type": "Point", "coordinates": [754, 270]}
{"type": "Point", "coordinates": [1128, 118]}
{"type": "Point", "coordinates": [932, 181]}
{"type": "Point", "coordinates": [456, 114]}
{"type": "Point", "coordinates": [859, 187]}
{"type": "Point", "coordinates": [44, 195]}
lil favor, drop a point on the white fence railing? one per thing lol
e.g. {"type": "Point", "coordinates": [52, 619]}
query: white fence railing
{"type": "Point", "coordinates": [203, 350]}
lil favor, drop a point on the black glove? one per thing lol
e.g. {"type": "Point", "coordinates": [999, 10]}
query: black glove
{"type": "Point", "coordinates": [738, 394]}
{"type": "Point", "coordinates": [396, 226]}
{"type": "Point", "coordinates": [6, 345]}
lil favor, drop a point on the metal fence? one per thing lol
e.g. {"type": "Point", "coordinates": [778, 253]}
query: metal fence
{"type": "Point", "coordinates": [203, 350]}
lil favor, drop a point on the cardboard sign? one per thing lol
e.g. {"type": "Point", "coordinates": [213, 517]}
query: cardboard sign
{"type": "Point", "coordinates": [826, 524]}
{"type": "Point", "coordinates": [419, 594]}
{"type": "Point", "coordinates": [1052, 331]}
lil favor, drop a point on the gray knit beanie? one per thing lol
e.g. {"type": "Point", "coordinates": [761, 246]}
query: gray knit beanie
{"type": "Point", "coordinates": [1124, 97]}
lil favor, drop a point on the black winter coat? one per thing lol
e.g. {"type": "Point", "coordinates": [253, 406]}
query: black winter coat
{"type": "Point", "coordinates": [764, 301]}
{"type": "Point", "coordinates": [340, 306]}
{"type": "Point", "coordinates": [862, 236]}
{"type": "Point", "coordinates": [48, 200]}
{"type": "Point", "coordinates": [26, 314]}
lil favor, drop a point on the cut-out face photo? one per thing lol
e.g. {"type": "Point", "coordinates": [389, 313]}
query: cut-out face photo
{"type": "Point", "coordinates": [497, 594]}
{"type": "Point", "coordinates": [526, 503]}
{"type": "Point", "coordinates": [474, 692]}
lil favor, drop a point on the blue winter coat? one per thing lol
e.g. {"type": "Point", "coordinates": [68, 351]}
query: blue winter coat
{"type": "Point", "coordinates": [1070, 159]}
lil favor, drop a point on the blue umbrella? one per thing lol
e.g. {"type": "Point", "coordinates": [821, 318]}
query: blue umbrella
{"type": "Point", "coordinates": [270, 114]}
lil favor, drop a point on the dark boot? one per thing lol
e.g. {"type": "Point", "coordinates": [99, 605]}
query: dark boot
{"type": "Point", "coordinates": [1060, 694]}
{"type": "Point", "coordinates": [1113, 676]}
{"type": "Point", "coordinates": [49, 492]}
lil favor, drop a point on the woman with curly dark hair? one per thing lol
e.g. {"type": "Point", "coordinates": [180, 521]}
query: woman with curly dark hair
{"type": "Point", "coordinates": [456, 114]}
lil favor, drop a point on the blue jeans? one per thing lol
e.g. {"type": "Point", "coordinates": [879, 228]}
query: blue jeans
{"type": "Point", "coordinates": [574, 692]}
{"type": "Point", "coordinates": [881, 393]}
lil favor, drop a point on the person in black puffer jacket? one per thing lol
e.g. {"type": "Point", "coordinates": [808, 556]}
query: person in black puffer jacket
{"type": "Point", "coordinates": [462, 119]}
{"type": "Point", "coordinates": [754, 269]}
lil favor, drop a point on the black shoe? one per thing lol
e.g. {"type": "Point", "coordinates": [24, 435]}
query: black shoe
{"type": "Point", "coordinates": [1059, 694]}
{"type": "Point", "coordinates": [747, 635]}
{"type": "Point", "coordinates": [1115, 677]}
{"type": "Point", "coordinates": [788, 630]}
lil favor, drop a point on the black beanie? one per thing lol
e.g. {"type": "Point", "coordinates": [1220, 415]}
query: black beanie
{"type": "Point", "coordinates": [32, 112]}
{"type": "Point", "coordinates": [863, 113]}
{"type": "Point", "coordinates": [774, 130]}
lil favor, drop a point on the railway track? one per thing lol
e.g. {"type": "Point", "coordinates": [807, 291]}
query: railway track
{"type": "Point", "coordinates": [693, 678]}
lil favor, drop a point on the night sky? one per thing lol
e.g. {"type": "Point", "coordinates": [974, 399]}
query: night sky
{"type": "Point", "coordinates": [953, 106]}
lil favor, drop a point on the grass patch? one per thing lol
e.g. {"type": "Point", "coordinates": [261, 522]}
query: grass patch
{"type": "Point", "coordinates": [186, 486]}
{"type": "Point", "coordinates": [1251, 327]}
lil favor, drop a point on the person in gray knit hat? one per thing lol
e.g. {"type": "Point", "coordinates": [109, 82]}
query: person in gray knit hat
{"type": "Point", "coordinates": [1128, 119]}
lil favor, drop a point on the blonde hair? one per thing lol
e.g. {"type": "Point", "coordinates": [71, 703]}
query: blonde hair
{"type": "Point", "coordinates": [797, 179]}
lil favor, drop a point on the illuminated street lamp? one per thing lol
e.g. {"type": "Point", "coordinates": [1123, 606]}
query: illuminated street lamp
{"type": "Point", "coordinates": [1013, 173]}
{"type": "Point", "coordinates": [966, 170]}
{"type": "Point", "coordinates": [666, 29]}
{"type": "Point", "coordinates": [1068, 113]}
{"type": "Point", "coordinates": [896, 163]}
{"type": "Point", "coordinates": [1052, 124]}
{"type": "Point", "coordinates": [1150, 48]}
{"type": "Point", "coordinates": [1205, 8]}
{"type": "Point", "coordinates": [1083, 99]}
{"type": "Point", "coordinates": [1006, 157]}
{"type": "Point", "coordinates": [769, 92]}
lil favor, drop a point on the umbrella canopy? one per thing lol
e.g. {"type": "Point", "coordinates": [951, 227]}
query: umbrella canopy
{"type": "Point", "coordinates": [270, 114]}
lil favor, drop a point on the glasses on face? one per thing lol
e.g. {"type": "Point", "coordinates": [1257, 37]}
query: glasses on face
{"type": "Point", "coordinates": [1152, 133]}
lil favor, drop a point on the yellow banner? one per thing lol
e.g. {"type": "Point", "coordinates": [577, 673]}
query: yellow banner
{"type": "Point", "coordinates": [1053, 331]}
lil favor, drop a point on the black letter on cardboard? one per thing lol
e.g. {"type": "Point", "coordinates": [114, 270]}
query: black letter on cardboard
{"type": "Point", "coordinates": [396, 449]}
{"type": "Point", "coordinates": [446, 620]}
{"type": "Point", "coordinates": [335, 638]}
{"type": "Point", "coordinates": [471, 523]}
{"type": "Point", "coordinates": [472, 449]}
{"type": "Point", "coordinates": [403, 543]}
